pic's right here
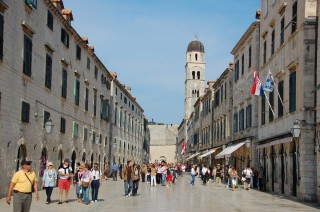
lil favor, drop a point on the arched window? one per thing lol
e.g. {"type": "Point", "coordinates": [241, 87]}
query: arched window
{"type": "Point", "coordinates": [196, 56]}
{"type": "Point", "coordinates": [197, 93]}
{"type": "Point", "coordinates": [193, 75]}
{"type": "Point", "coordinates": [198, 74]}
{"type": "Point", "coordinates": [189, 56]}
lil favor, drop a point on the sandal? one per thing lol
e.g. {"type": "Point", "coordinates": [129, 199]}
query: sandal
{"type": "Point", "coordinates": [66, 201]}
{"type": "Point", "coordinates": [47, 202]}
{"type": "Point", "coordinates": [59, 202]}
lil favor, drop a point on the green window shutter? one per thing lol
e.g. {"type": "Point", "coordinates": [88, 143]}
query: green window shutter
{"type": "Point", "coordinates": [48, 77]}
{"type": "Point", "coordinates": [27, 56]}
{"type": "Point", "coordinates": [75, 130]}
{"type": "Point", "coordinates": [25, 111]}
{"type": "Point", "coordinates": [292, 92]}
{"type": "Point", "coordinates": [63, 125]}
{"type": "Point", "coordinates": [263, 110]}
{"type": "Point", "coordinates": [85, 134]}
{"type": "Point", "coordinates": [77, 92]}
{"type": "Point", "coordinates": [271, 100]}
{"type": "Point", "coordinates": [280, 106]}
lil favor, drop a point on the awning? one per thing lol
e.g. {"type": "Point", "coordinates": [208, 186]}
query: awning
{"type": "Point", "coordinates": [279, 141]}
{"type": "Point", "coordinates": [229, 150]}
{"type": "Point", "coordinates": [192, 156]}
{"type": "Point", "coordinates": [208, 153]}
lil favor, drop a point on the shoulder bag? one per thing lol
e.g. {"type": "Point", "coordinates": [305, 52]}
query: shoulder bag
{"type": "Point", "coordinates": [32, 187]}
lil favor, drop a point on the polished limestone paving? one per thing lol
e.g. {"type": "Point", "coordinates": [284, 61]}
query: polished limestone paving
{"type": "Point", "coordinates": [181, 197]}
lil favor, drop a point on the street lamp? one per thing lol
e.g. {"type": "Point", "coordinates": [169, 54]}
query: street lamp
{"type": "Point", "coordinates": [248, 142]}
{"type": "Point", "coordinates": [48, 126]}
{"type": "Point", "coordinates": [296, 129]}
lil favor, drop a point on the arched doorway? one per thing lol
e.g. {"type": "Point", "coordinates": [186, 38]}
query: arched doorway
{"type": "Point", "coordinates": [60, 159]}
{"type": "Point", "coordinates": [282, 169]}
{"type": "Point", "coordinates": [83, 157]}
{"type": "Point", "coordinates": [91, 165]}
{"type": "Point", "coordinates": [294, 169]}
{"type": "Point", "coordinates": [272, 167]}
{"type": "Point", "coordinates": [22, 154]}
{"type": "Point", "coordinates": [43, 161]}
{"type": "Point", "coordinates": [73, 161]}
{"type": "Point", "coordinates": [99, 162]}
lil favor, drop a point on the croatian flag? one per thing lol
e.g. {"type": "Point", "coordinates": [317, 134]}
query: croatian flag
{"type": "Point", "coordinates": [257, 88]}
{"type": "Point", "coordinates": [268, 86]}
{"type": "Point", "coordinates": [184, 148]}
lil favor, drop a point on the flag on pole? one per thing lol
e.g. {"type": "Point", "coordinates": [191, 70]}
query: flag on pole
{"type": "Point", "coordinates": [257, 88]}
{"type": "Point", "coordinates": [269, 85]}
{"type": "Point", "coordinates": [184, 148]}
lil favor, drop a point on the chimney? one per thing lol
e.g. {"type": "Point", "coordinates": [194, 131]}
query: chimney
{"type": "Point", "coordinates": [258, 14]}
{"type": "Point", "coordinates": [129, 89]}
{"type": "Point", "coordinates": [210, 83]}
{"type": "Point", "coordinates": [91, 48]}
{"type": "Point", "coordinates": [231, 65]}
{"type": "Point", "coordinates": [85, 39]}
{"type": "Point", "coordinates": [67, 14]}
{"type": "Point", "coordinates": [58, 4]}
{"type": "Point", "coordinates": [114, 75]}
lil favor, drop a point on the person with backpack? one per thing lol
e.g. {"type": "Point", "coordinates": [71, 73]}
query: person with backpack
{"type": "Point", "coordinates": [247, 173]}
{"type": "Point", "coordinates": [96, 183]}
{"type": "Point", "coordinates": [65, 175]}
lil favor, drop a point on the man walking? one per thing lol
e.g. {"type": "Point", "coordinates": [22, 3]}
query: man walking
{"type": "Point", "coordinates": [65, 174]}
{"type": "Point", "coordinates": [115, 169]}
{"type": "Point", "coordinates": [127, 178]}
{"type": "Point", "coordinates": [96, 183]}
{"type": "Point", "coordinates": [22, 184]}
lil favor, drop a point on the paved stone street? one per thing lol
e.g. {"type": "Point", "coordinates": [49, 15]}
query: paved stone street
{"type": "Point", "coordinates": [181, 197]}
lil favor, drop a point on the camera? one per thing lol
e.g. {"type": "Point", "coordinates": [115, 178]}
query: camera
{"type": "Point", "coordinates": [94, 177]}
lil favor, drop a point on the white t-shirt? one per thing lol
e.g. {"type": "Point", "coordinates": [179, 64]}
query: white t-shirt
{"type": "Point", "coordinates": [65, 170]}
{"type": "Point", "coordinates": [95, 174]}
{"type": "Point", "coordinates": [247, 172]}
{"type": "Point", "coordinates": [204, 170]}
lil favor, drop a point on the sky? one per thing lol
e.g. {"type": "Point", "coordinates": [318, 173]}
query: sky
{"type": "Point", "coordinates": [145, 42]}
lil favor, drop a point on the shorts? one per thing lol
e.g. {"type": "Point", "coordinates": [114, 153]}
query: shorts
{"type": "Point", "coordinates": [169, 178]}
{"type": "Point", "coordinates": [64, 184]}
{"type": "Point", "coordinates": [248, 180]}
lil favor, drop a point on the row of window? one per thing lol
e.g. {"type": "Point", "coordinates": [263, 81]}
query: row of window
{"type": "Point", "coordinates": [292, 99]}
{"type": "Point", "coordinates": [206, 106]}
{"type": "Point", "coordinates": [242, 119]}
{"type": "Point", "coordinates": [206, 135]}
{"type": "Point", "coordinates": [237, 65]}
{"type": "Point", "coordinates": [220, 95]}
{"type": "Point", "coordinates": [127, 122]}
{"type": "Point", "coordinates": [293, 24]}
{"type": "Point", "coordinates": [219, 129]}
{"type": "Point", "coordinates": [25, 117]}
{"type": "Point", "coordinates": [126, 101]}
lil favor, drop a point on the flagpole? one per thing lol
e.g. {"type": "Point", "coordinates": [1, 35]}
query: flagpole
{"type": "Point", "coordinates": [279, 94]}
{"type": "Point", "coordinates": [268, 102]}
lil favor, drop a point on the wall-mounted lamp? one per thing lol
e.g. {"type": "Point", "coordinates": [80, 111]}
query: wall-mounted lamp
{"type": "Point", "coordinates": [248, 142]}
{"type": "Point", "coordinates": [296, 129]}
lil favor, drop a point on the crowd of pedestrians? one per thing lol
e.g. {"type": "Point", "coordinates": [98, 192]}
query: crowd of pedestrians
{"type": "Point", "coordinates": [250, 177]}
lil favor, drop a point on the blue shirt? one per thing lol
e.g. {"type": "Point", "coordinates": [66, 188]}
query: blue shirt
{"type": "Point", "coordinates": [49, 177]}
{"type": "Point", "coordinates": [115, 167]}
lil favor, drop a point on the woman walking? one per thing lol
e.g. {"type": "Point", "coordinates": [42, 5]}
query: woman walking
{"type": "Point", "coordinates": [204, 171]}
{"type": "Point", "coordinates": [77, 183]}
{"type": "Point", "coordinates": [135, 179]}
{"type": "Point", "coordinates": [153, 175]}
{"type": "Point", "coordinates": [193, 174]}
{"type": "Point", "coordinates": [86, 183]}
{"type": "Point", "coordinates": [48, 180]}
{"type": "Point", "coordinates": [233, 176]}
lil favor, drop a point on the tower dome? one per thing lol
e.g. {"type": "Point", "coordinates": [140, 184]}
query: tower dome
{"type": "Point", "coordinates": [195, 46]}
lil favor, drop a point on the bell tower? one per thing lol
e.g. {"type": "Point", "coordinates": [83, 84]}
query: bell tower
{"type": "Point", "coordinates": [195, 75]}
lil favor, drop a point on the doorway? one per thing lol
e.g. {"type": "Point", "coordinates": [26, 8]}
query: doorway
{"type": "Point", "coordinates": [282, 169]}
{"type": "Point", "coordinates": [294, 169]}
{"type": "Point", "coordinates": [73, 161]}
{"type": "Point", "coordinates": [272, 168]}
{"type": "Point", "coordinates": [43, 161]}
{"type": "Point", "coordinates": [22, 154]}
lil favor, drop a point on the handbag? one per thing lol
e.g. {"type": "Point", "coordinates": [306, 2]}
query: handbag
{"type": "Point", "coordinates": [85, 184]}
{"type": "Point", "coordinates": [32, 187]}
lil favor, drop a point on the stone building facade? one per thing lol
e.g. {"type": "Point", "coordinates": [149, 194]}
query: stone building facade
{"type": "Point", "coordinates": [50, 76]}
{"type": "Point", "coordinates": [127, 126]}
{"type": "Point", "coordinates": [287, 38]}
{"type": "Point", "coordinates": [163, 140]}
